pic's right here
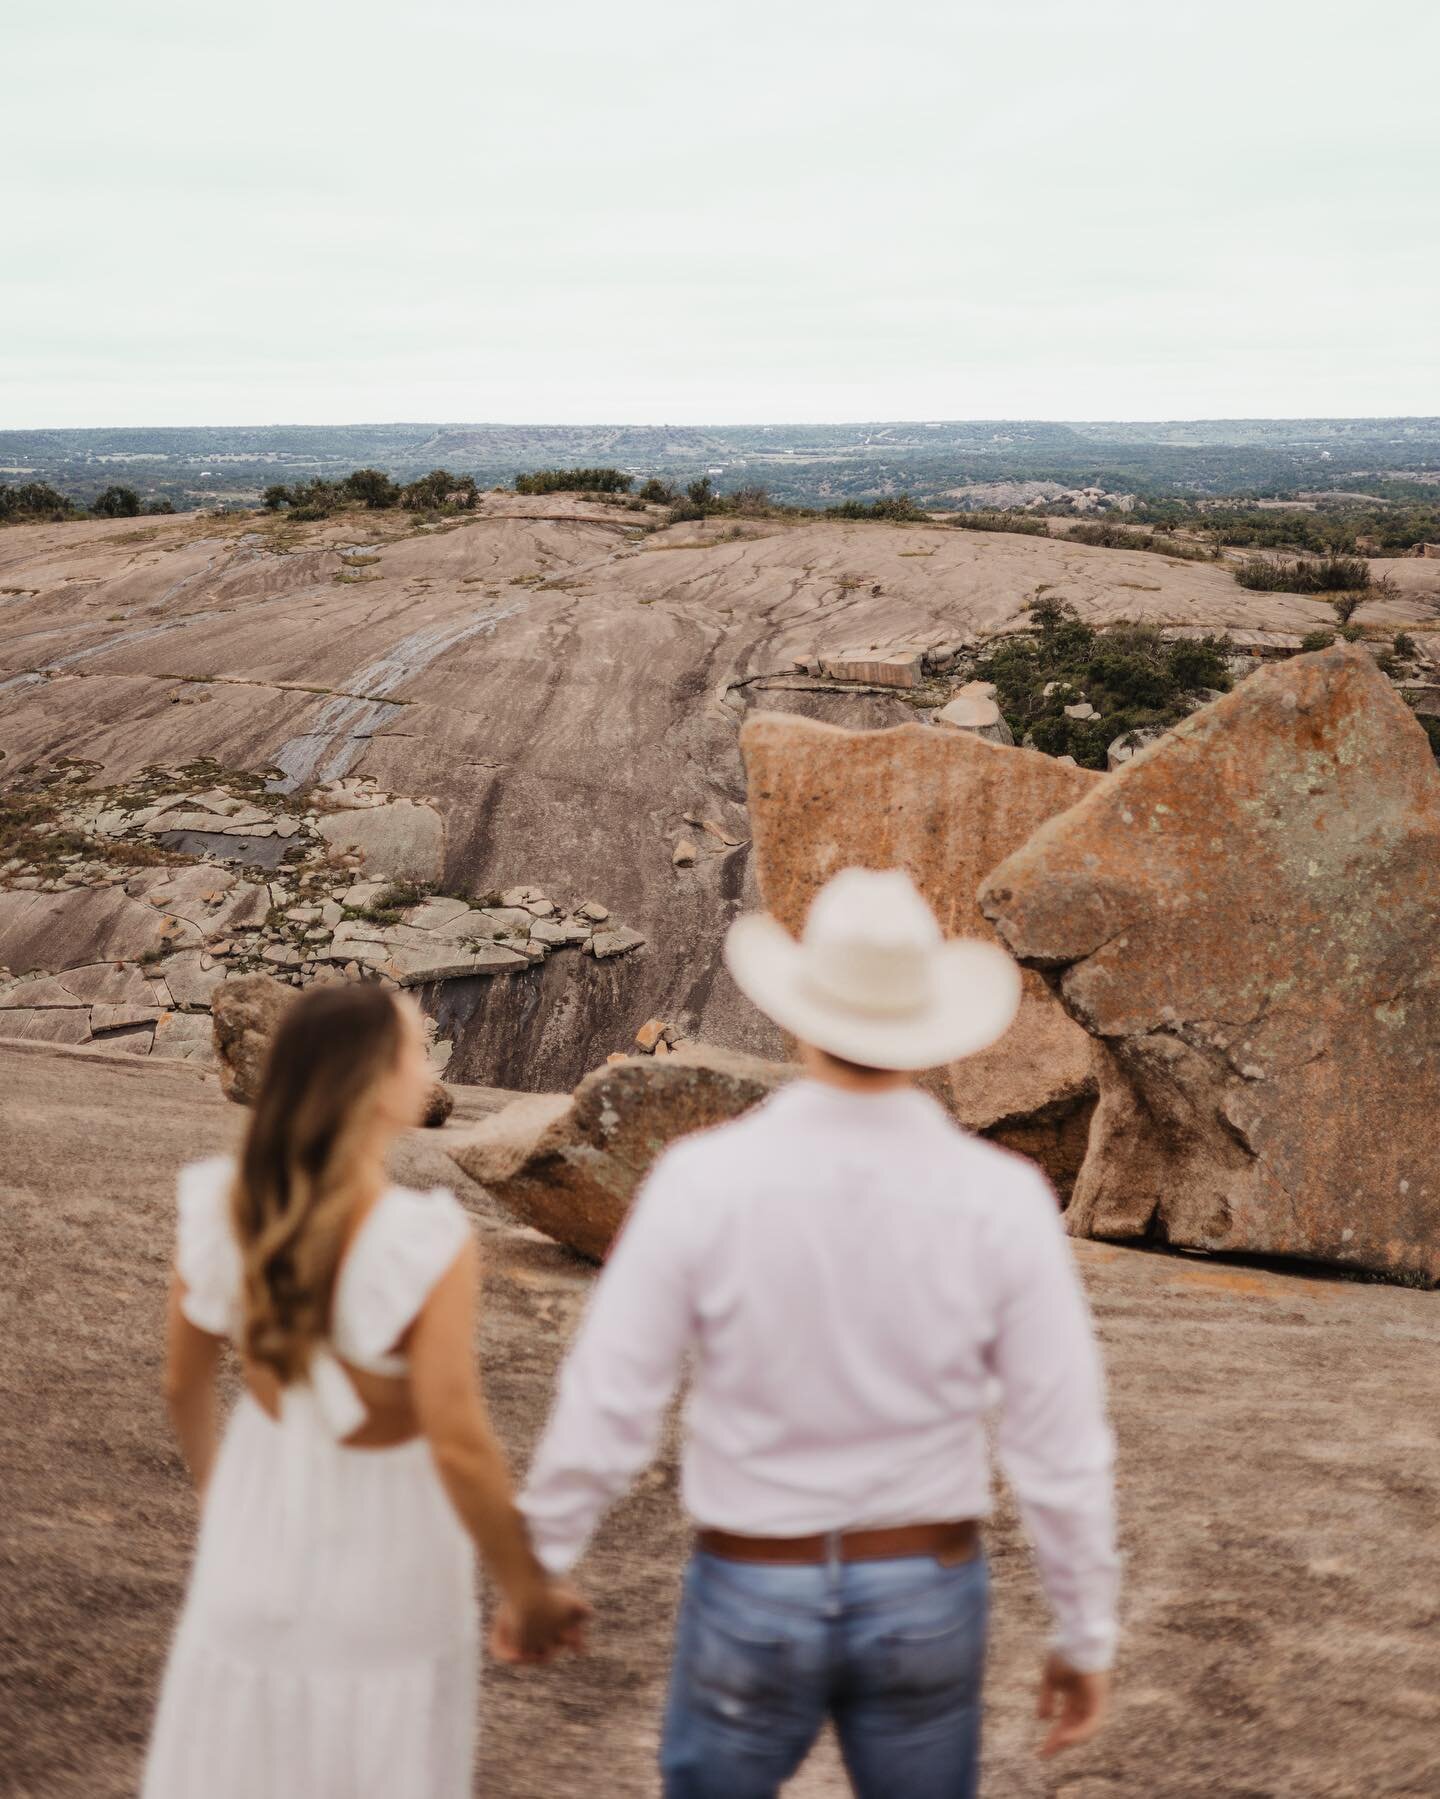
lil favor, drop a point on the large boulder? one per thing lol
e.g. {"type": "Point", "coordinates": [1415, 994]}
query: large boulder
{"type": "Point", "coordinates": [945, 806]}
{"type": "Point", "coordinates": [570, 1166]}
{"type": "Point", "coordinates": [1247, 918]}
{"type": "Point", "coordinates": [244, 1013]}
{"type": "Point", "coordinates": [403, 840]}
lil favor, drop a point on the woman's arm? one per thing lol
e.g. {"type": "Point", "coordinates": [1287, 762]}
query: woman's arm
{"type": "Point", "coordinates": [191, 1359]}
{"type": "Point", "coordinates": [452, 1414]}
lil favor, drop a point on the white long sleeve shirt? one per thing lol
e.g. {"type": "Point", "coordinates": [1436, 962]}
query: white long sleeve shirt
{"type": "Point", "coordinates": [857, 1280]}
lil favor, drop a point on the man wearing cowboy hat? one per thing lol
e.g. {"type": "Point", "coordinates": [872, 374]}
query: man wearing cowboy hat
{"type": "Point", "coordinates": [858, 1280]}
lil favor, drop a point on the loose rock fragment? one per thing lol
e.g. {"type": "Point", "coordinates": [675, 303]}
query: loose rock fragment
{"type": "Point", "coordinates": [615, 942]}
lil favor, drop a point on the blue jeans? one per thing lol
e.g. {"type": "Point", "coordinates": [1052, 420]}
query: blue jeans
{"type": "Point", "coordinates": [893, 1651]}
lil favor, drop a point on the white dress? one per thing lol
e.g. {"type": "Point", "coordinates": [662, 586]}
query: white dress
{"type": "Point", "coordinates": [327, 1647]}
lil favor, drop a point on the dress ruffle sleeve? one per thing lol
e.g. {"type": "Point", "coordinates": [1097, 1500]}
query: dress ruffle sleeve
{"type": "Point", "coordinates": [206, 1254]}
{"type": "Point", "coordinates": [393, 1268]}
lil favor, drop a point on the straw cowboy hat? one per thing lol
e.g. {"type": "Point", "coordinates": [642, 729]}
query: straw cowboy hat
{"type": "Point", "coordinates": [872, 980]}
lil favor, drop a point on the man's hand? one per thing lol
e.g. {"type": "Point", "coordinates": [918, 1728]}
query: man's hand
{"type": "Point", "coordinates": [535, 1629]}
{"type": "Point", "coordinates": [1078, 1704]}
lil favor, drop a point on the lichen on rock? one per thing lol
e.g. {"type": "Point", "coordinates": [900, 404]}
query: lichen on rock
{"type": "Point", "coordinates": [1246, 918]}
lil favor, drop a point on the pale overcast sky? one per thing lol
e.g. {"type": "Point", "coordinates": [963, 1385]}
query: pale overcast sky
{"type": "Point", "coordinates": [788, 210]}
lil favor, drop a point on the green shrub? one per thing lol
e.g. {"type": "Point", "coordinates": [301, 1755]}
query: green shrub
{"type": "Point", "coordinates": [371, 488]}
{"type": "Point", "coordinates": [1106, 536]}
{"type": "Point", "coordinates": [1023, 524]}
{"type": "Point", "coordinates": [897, 508]}
{"type": "Point", "coordinates": [1130, 674]}
{"type": "Point", "coordinates": [573, 480]}
{"type": "Point", "coordinates": [659, 493]}
{"type": "Point", "coordinates": [1405, 646]}
{"type": "Point", "coordinates": [1317, 640]}
{"type": "Point", "coordinates": [440, 491]}
{"type": "Point", "coordinates": [1325, 574]}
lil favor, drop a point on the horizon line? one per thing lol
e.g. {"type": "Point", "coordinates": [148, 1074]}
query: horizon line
{"type": "Point", "coordinates": [1386, 418]}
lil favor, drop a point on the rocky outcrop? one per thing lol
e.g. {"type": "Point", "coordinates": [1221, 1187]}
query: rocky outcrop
{"type": "Point", "coordinates": [245, 1012]}
{"type": "Point", "coordinates": [1247, 919]}
{"type": "Point", "coordinates": [946, 807]}
{"type": "Point", "coordinates": [893, 668]}
{"type": "Point", "coordinates": [570, 1166]}
{"type": "Point", "coordinates": [134, 882]}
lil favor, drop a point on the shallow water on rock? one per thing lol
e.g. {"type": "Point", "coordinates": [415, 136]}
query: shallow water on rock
{"type": "Point", "coordinates": [227, 846]}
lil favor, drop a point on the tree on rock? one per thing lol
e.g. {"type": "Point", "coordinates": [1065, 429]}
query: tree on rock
{"type": "Point", "coordinates": [372, 488]}
{"type": "Point", "coordinates": [116, 502]}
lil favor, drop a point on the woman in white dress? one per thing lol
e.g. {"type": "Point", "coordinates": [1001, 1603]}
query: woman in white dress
{"type": "Point", "coordinates": [327, 1647]}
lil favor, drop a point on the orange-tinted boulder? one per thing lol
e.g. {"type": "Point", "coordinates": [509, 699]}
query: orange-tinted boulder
{"type": "Point", "coordinates": [945, 806]}
{"type": "Point", "coordinates": [1247, 918]}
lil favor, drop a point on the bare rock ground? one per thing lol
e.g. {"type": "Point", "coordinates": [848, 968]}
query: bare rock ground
{"type": "Point", "coordinates": [561, 688]}
{"type": "Point", "coordinates": [1279, 1484]}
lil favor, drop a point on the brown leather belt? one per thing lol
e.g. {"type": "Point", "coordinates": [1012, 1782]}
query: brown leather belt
{"type": "Point", "coordinates": [948, 1543]}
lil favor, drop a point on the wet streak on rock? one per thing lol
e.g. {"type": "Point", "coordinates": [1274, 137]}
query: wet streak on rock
{"type": "Point", "coordinates": [349, 720]}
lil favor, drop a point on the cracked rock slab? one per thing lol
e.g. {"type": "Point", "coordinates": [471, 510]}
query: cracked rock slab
{"type": "Point", "coordinates": [946, 807]}
{"type": "Point", "coordinates": [570, 1166]}
{"type": "Point", "coordinates": [1247, 919]}
{"type": "Point", "coordinates": [413, 956]}
{"type": "Point", "coordinates": [83, 925]}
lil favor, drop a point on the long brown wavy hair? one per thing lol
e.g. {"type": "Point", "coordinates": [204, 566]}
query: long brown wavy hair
{"type": "Point", "coordinates": [292, 1200]}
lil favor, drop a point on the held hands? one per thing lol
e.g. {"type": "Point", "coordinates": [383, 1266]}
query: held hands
{"type": "Point", "coordinates": [533, 1628]}
{"type": "Point", "coordinates": [1077, 1703]}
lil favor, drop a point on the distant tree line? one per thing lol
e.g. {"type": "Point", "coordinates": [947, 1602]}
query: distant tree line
{"type": "Point", "coordinates": [36, 502]}
{"type": "Point", "coordinates": [373, 489]}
